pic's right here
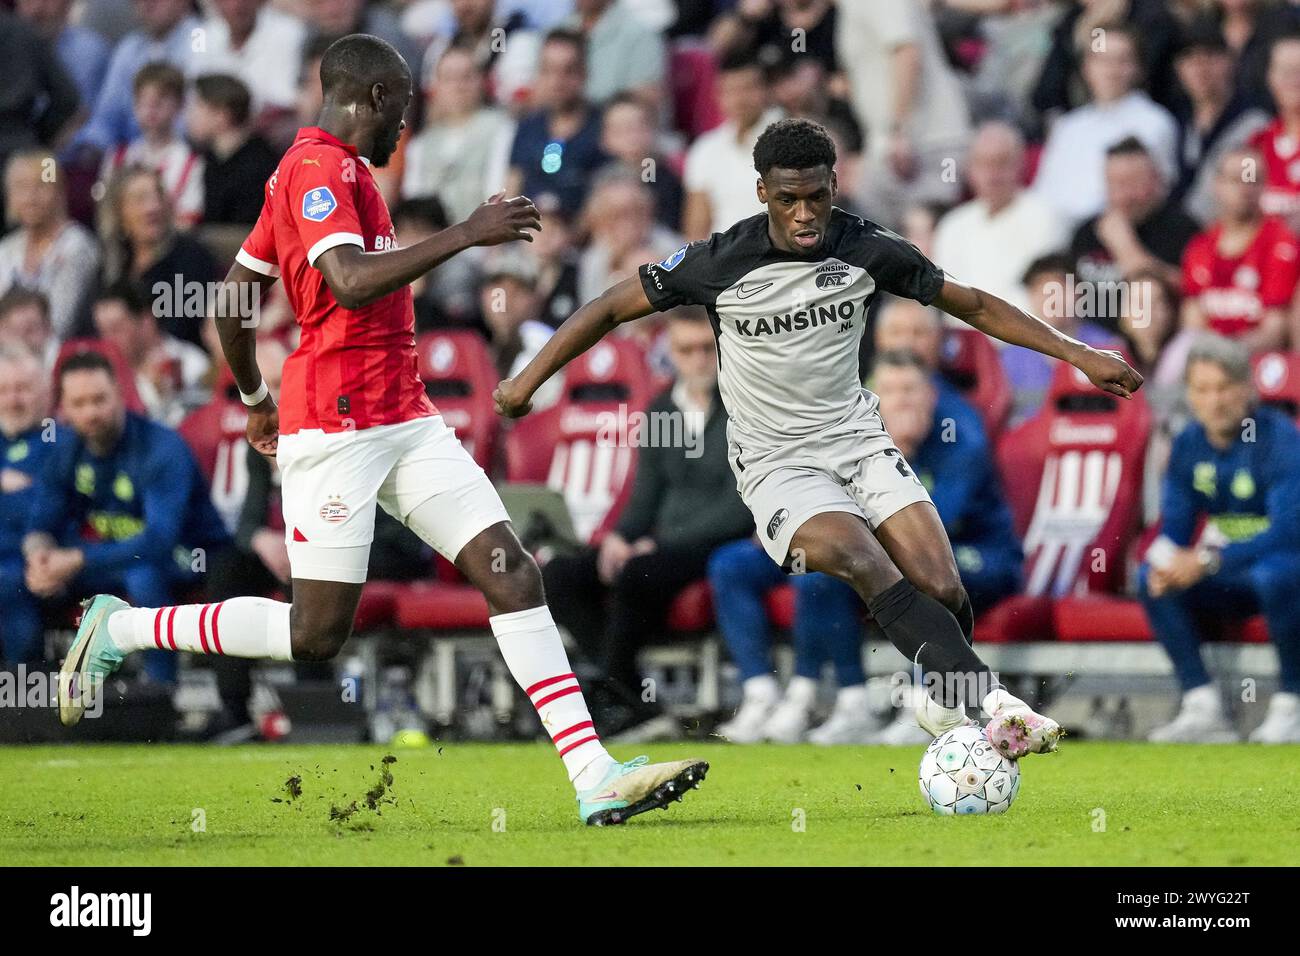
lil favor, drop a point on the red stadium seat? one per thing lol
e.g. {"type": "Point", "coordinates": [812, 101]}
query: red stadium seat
{"type": "Point", "coordinates": [439, 606]}
{"type": "Point", "coordinates": [568, 448]}
{"type": "Point", "coordinates": [780, 606]}
{"type": "Point", "coordinates": [459, 376]}
{"type": "Point", "coordinates": [377, 607]}
{"type": "Point", "coordinates": [972, 363]}
{"type": "Point", "coordinates": [530, 444]}
{"type": "Point", "coordinates": [1073, 476]}
{"type": "Point", "coordinates": [1101, 617]}
{"type": "Point", "coordinates": [1105, 617]}
{"type": "Point", "coordinates": [1277, 379]}
{"type": "Point", "coordinates": [125, 377]}
{"type": "Point", "coordinates": [692, 610]}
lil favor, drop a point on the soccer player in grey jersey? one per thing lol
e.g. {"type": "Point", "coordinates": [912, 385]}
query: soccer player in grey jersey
{"type": "Point", "coordinates": [788, 292]}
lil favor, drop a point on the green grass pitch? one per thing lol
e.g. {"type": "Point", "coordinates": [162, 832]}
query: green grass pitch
{"type": "Point", "coordinates": [485, 805]}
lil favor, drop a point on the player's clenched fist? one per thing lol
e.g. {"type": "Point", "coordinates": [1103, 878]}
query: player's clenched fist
{"type": "Point", "coordinates": [511, 402]}
{"type": "Point", "coordinates": [503, 220]}
{"type": "Point", "coordinates": [1107, 370]}
{"type": "Point", "coordinates": [263, 429]}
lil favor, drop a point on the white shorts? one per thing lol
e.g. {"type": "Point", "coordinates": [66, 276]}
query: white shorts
{"type": "Point", "coordinates": [861, 473]}
{"type": "Point", "coordinates": [331, 482]}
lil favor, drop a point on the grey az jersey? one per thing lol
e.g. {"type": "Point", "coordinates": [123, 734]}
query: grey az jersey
{"type": "Point", "coordinates": [789, 326]}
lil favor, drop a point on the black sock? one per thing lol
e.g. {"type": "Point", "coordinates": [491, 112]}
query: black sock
{"type": "Point", "coordinates": [966, 618]}
{"type": "Point", "coordinates": [930, 637]}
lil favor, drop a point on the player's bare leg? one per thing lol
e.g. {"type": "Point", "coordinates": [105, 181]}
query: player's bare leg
{"type": "Point", "coordinates": [917, 621]}
{"type": "Point", "coordinates": [320, 621]}
{"type": "Point", "coordinates": [608, 791]}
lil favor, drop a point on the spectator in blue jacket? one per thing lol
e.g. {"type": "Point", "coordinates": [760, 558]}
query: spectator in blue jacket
{"type": "Point", "coordinates": [1230, 542]}
{"type": "Point", "coordinates": [122, 506]}
{"type": "Point", "coordinates": [943, 442]}
{"type": "Point", "coordinates": [23, 452]}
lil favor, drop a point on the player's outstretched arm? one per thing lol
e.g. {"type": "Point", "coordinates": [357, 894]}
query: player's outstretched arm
{"type": "Point", "coordinates": [619, 303]}
{"type": "Point", "coordinates": [238, 334]}
{"type": "Point", "coordinates": [982, 310]}
{"type": "Point", "coordinates": [358, 278]}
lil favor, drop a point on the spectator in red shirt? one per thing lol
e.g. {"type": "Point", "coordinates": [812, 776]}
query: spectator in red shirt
{"type": "Point", "coordinates": [1279, 142]}
{"type": "Point", "coordinates": [1239, 275]}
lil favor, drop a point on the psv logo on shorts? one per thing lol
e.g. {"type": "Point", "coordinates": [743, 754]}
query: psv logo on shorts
{"type": "Point", "coordinates": [317, 204]}
{"type": "Point", "coordinates": [334, 511]}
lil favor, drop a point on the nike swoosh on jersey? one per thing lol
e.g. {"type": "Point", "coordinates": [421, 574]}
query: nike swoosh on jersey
{"type": "Point", "coordinates": [743, 293]}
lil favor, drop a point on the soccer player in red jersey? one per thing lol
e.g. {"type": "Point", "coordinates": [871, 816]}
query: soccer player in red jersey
{"type": "Point", "coordinates": [356, 429]}
{"type": "Point", "coordinates": [1239, 275]}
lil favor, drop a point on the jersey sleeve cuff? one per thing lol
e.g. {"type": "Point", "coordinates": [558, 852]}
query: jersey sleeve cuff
{"type": "Point", "coordinates": [659, 297]}
{"type": "Point", "coordinates": [260, 266]}
{"type": "Point", "coordinates": [332, 240]}
{"type": "Point", "coordinates": [931, 285]}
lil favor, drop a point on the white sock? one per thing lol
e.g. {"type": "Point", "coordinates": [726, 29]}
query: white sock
{"type": "Point", "coordinates": [240, 627]}
{"type": "Point", "coordinates": [534, 652]}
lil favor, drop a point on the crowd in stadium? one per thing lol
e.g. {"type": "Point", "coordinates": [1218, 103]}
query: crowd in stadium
{"type": "Point", "coordinates": [1129, 170]}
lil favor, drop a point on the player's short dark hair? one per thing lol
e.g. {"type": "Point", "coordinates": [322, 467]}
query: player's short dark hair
{"type": "Point", "coordinates": [572, 37]}
{"type": "Point", "coordinates": [164, 76]}
{"type": "Point", "coordinates": [226, 93]}
{"type": "Point", "coordinates": [128, 293]}
{"type": "Point", "coordinates": [793, 144]}
{"type": "Point", "coordinates": [87, 361]}
{"type": "Point", "coordinates": [351, 65]}
{"type": "Point", "coordinates": [21, 297]}
{"type": "Point", "coordinates": [1052, 262]}
{"type": "Point", "coordinates": [1128, 146]}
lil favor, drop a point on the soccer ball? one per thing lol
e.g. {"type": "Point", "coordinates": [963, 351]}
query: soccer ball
{"type": "Point", "coordinates": [962, 773]}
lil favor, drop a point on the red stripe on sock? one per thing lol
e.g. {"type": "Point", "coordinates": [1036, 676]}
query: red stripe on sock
{"type": "Point", "coordinates": [171, 633]}
{"type": "Point", "coordinates": [203, 630]}
{"type": "Point", "coordinates": [157, 628]}
{"type": "Point", "coordinates": [575, 689]}
{"type": "Point", "coordinates": [572, 730]}
{"type": "Point", "coordinates": [575, 746]}
{"type": "Point", "coordinates": [546, 683]}
{"type": "Point", "coordinates": [216, 632]}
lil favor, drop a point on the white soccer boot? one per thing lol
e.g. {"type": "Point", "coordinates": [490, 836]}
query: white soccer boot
{"type": "Point", "coordinates": [793, 716]}
{"type": "Point", "coordinates": [761, 695]}
{"type": "Point", "coordinates": [850, 722]}
{"type": "Point", "coordinates": [1282, 724]}
{"type": "Point", "coordinates": [1200, 720]}
{"type": "Point", "coordinates": [1014, 729]}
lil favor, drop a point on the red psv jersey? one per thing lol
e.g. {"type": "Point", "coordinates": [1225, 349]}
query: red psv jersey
{"type": "Point", "coordinates": [353, 368]}
{"type": "Point", "coordinates": [1235, 292]}
{"type": "Point", "coordinates": [1281, 153]}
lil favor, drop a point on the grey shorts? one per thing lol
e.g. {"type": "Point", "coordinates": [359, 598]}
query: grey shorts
{"type": "Point", "coordinates": [861, 473]}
